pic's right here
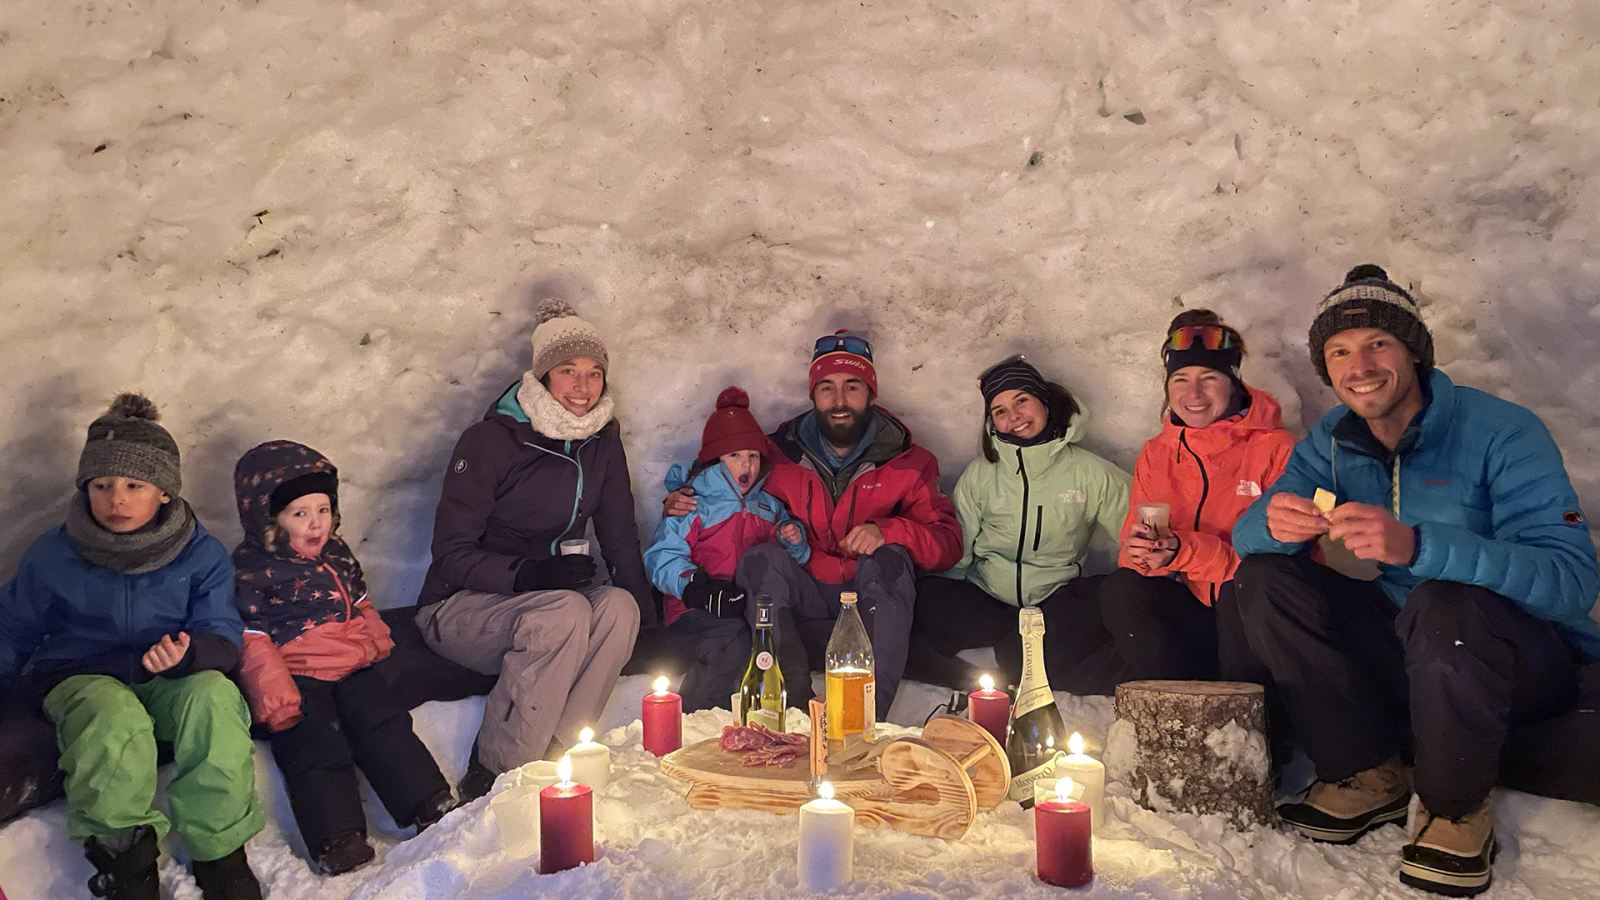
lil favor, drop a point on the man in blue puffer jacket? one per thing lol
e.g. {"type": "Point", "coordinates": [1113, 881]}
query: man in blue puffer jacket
{"type": "Point", "coordinates": [1478, 619]}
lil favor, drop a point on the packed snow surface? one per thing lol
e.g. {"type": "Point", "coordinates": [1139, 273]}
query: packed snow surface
{"type": "Point", "coordinates": [329, 221]}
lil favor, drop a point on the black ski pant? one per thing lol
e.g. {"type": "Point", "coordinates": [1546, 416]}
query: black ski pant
{"type": "Point", "coordinates": [719, 650]}
{"type": "Point", "coordinates": [885, 584]}
{"type": "Point", "coordinates": [953, 615]}
{"type": "Point", "coordinates": [357, 721]}
{"type": "Point", "coordinates": [1162, 631]}
{"type": "Point", "coordinates": [1443, 680]}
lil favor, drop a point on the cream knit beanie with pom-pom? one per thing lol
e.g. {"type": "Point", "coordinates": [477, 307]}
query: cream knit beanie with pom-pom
{"type": "Point", "coordinates": [561, 335]}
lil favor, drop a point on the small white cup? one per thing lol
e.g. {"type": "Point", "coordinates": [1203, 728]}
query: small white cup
{"type": "Point", "coordinates": [575, 547]}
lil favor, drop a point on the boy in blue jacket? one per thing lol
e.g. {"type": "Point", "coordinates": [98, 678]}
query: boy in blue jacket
{"type": "Point", "coordinates": [1478, 618]}
{"type": "Point", "coordinates": [127, 614]}
{"type": "Point", "coordinates": [693, 558]}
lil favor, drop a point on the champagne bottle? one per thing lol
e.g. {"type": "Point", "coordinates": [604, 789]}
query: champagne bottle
{"type": "Point", "coordinates": [850, 684]}
{"type": "Point", "coordinates": [762, 697]}
{"type": "Point", "coordinates": [1036, 737]}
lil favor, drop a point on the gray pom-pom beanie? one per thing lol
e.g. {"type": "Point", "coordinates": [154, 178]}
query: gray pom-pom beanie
{"type": "Point", "coordinates": [127, 441]}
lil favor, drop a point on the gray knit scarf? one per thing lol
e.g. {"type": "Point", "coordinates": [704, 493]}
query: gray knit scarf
{"type": "Point", "coordinates": [136, 552]}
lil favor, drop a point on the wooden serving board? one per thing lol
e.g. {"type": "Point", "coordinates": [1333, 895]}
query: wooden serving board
{"type": "Point", "coordinates": [932, 785]}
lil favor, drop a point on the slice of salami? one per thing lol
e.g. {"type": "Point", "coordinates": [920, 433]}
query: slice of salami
{"type": "Point", "coordinates": [738, 739]}
{"type": "Point", "coordinates": [771, 756]}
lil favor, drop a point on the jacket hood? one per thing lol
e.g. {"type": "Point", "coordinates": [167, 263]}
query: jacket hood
{"type": "Point", "coordinates": [507, 405]}
{"type": "Point", "coordinates": [891, 439]}
{"type": "Point", "coordinates": [1263, 414]}
{"type": "Point", "coordinates": [1068, 437]}
{"type": "Point", "coordinates": [262, 470]}
{"type": "Point", "coordinates": [712, 483]}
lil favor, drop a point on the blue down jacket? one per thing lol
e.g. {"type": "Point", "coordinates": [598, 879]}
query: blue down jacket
{"type": "Point", "coordinates": [73, 611]}
{"type": "Point", "coordinates": [1483, 483]}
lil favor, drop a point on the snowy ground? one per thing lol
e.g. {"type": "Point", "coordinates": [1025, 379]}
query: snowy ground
{"type": "Point", "coordinates": [652, 846]}
{"type": "Point", "coordinates": [328, 221]}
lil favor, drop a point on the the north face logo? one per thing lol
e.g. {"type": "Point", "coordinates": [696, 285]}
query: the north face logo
{"type": "Point", "coordinates": [1248, 488]}
{"type": "Point", "coordinates": [1072, 496]}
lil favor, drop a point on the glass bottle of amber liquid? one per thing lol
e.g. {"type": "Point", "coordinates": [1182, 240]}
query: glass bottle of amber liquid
{"type": "Point", "coordinates": [850, 684]}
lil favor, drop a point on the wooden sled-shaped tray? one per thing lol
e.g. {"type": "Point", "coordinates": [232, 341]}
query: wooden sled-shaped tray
{"type": "Point", "coordinates": [933, 784]}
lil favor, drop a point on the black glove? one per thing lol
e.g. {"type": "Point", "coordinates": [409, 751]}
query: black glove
{"type": "Point", "coordinates": [573, 572]}
{"type": "Point", "coordinates": [721, 598]}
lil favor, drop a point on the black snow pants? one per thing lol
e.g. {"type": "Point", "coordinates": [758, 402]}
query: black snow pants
{"type": "Point", "coordinates": [1445, 680]}
{"type": "Point", "coordinates": [358, 721]}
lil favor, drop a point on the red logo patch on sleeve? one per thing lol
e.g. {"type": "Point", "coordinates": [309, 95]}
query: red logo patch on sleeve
{"type": "Point", "coordinates": [1572, 517]}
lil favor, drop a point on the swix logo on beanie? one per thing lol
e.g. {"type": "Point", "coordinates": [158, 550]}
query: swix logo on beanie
{"type": "Point", "coordinates": [843, 351]}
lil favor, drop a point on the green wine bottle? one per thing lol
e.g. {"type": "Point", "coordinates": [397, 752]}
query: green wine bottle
{"type": "Point", "coordinates": [762, 697]}
{"type": "Point", "coordinates": [1036, 737]}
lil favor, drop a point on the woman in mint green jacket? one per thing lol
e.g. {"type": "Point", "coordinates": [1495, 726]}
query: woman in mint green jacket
{"type": "Point", "coordinates": [1028, 508]}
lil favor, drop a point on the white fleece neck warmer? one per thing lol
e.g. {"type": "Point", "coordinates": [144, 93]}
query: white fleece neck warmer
{"type": "Point", "coordinates": [551, 419]}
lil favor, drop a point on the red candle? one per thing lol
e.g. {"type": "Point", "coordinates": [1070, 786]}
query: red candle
{"type": "Point", "coordinates": [1061, 832]}
{"type": "Point", "coordinates": [663, 720]}
{"type": "Point", "coordinates": [566, 824]}
{"type": "Point", "coordinates": [990, 708]}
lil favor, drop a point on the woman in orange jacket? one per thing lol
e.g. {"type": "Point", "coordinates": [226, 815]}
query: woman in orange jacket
{"type": "Point", "coordinates": [1220, 445]}
{"type": "Point", "coordinates": [316, 660]}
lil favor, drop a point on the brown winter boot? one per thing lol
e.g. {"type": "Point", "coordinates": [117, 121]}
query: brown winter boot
{"type": "Point", "coordinates": [1340, 812]}
{"type": "Point", "coordinates": [1451, 856]}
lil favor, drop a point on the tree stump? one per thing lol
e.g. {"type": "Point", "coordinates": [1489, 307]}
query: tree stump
{"type": "Point", "coordinates": [1193, 746]}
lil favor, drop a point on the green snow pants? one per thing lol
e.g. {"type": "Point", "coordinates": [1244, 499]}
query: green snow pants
{"type": "Point", "coordinates": [107, 732]}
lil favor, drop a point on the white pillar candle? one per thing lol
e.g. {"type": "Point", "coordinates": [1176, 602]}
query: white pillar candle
{"type": "Point", "coordinates": [516, 809]}
{"type": "Point", "coordinates": [827, 842]}
{"type": "Point", "coordinates": [1088, 772]}
{"type": "Point", "coordinates": [591, 762]}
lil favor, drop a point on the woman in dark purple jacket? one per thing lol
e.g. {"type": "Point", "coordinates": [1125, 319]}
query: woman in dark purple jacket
{"type": "Point", "coordinates": [501, 597]}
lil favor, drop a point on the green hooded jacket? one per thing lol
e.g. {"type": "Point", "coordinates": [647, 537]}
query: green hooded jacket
{"type": "Point", "coordinates": [1026, 520]}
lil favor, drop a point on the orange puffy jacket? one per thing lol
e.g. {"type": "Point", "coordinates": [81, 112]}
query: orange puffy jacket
{"type": "Point", "coordinates": [1209, 476]}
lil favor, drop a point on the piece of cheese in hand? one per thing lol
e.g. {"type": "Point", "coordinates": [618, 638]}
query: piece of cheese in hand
{"type": "Point", "coordinates": [1324, 501]}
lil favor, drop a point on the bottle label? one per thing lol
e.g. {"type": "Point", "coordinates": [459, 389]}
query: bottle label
{"type": "Point", "coordinates": [869, 707]}
{"type": "Point", "coordinates": [763, 660]}
{"type": "Point", "coordinates": [1022, 785]}
{"type": "Point", "coordinates": [770, 719]}
{"type": "Point", "coordinates": [1032, 699]}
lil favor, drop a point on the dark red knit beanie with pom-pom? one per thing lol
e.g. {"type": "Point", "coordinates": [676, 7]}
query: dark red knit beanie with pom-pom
{"type": "Point", "coordinates": [731, 428]}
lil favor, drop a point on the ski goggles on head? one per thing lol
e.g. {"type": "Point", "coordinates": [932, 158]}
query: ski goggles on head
{"type": "Point", "coordinates": [842, 343]}
{"type": "Point", "coordinates": [1208, 337]}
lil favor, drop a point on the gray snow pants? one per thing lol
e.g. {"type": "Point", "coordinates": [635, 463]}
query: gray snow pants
{"type": "Point", "coordinates": [557, 653]}
{"type": "Point", "coordinates": [885, 583]}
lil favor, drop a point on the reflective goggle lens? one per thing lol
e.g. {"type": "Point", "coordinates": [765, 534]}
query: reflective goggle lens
{"type": "Point", "coordinates": [1211, 337]}
{"type": "Point", "coordinates": [847, 343]}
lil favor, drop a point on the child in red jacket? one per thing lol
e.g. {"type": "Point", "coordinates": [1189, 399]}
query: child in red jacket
{"type": "Point", "coordinates": [314, 661]}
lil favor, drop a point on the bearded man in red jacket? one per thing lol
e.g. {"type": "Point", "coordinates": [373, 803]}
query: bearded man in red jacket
{"type": "Point", "coordinates": [873, 512]}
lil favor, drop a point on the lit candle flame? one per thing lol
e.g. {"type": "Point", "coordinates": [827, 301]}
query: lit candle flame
{"type": "Point", "coordinates": [661, 685]}
{"type": "Point", "coordinates": [586, 735]}
{"type": "Point", "coordinates": [1075, 744]}
{"type": "Point", "coordinates": [1050, 741]}
{"type": "Point", "coordinates": [564, 770]}
{"type": "Point", "coordinates": [1064, 789]}
{"type": "Point", "coordinates": [986, 682]}
{"type": "Point", "coordinates": [825, 790]}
